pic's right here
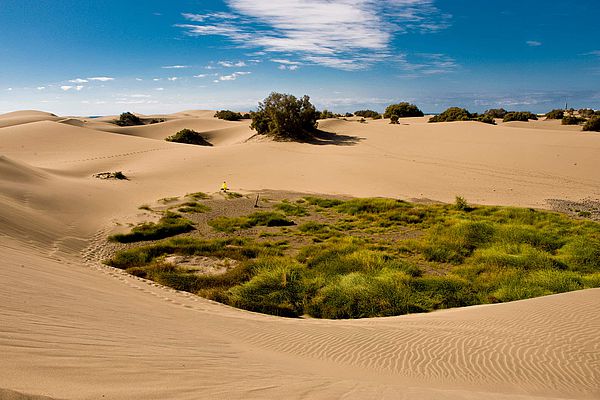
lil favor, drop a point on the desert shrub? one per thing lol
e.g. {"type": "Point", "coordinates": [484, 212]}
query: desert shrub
{"type": "Point", "coordinates": [128, 119]}
{"type": "Point", "coordinates": [188, 136]}
{"type": "Point", "coordinates": [325, 114]}
{"type": "Point", "coordinates": [156, 120]}
{"type": "Point", "coordinates": [277, 289]}
{"type": "Point", "coordinates": [585, 112]}
{"type": "Point", "coordinates": [461, 204]}
{"type": "Point", "coordinates": [394, 119]}
{"type": "Point", "coordinates": [193, 207]}
{"type": "Point", "coordinates": [284, 117]}
{"type": "Point", "coordinates": [366, 113]}
{"type": "Point", "coordinates": [292, 209]}
{"type": "Point", "coordinates": [486, 119]}
{"type": "Point", "coordinates": [496, 112]}
{"type": "Point", "coordinates": [170, 224]}
{"type": "Point", "coordinates": [452, 114]}
{"type": "Point", "coordinates": [197, 196]}
{"type": "Point", "coordinates": [402, 110]}
{"type": "Point", "coordinates": [348, 115]}
{"type": "Point", "coordinates": [260, 218]}
{"type": "Point", "coordinates": [228, 115]}
{"type": "Point", "coordinates": [519, 116]}
{"type": "Point", "coordinates": [593, 124]}
{"type": "Point", "coordinates": [555, 114]}
{"type": "Point", "coordinates": [572, 120]}
{"type": "Point", "coordinates": [118, 175]}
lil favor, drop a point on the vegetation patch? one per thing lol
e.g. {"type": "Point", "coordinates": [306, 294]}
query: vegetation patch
{"type": "Point", "coordinates": [367, 114]}
{"type": "Point", "coordinates": [193, 207]}
{"type": "Point", "coordinates": [188, 136]}
{"type": "Point", "coordinates": [368, 257]}
{"type": "Point", "coordinates": [170, 224]}
{"type": "Point", "coordinates": [129, 119]}
{"type": "Point", "coordinates": [118, 175]}
{"type": "Point", "coordinates": [593, 124]}
{"type": "Point", "coordinates": [519, 116]}
{"type": "Point", "coordinates": [402, 110]}
{"type": "Point", "coordinates": [228, 115]}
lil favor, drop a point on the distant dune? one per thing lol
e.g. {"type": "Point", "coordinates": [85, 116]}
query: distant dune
{"type": "Point", "coordinates": [71, 328]}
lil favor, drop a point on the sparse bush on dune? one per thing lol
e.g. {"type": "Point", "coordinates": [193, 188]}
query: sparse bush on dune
{"type": "Point", "coordinates": [284, 117]}
{"type": "Point", "coordinates": [452, 114]}
{"type": "Point", "coordinates": [572, 120]}
{"type": "Point", "coordinates": [394, 119]}
{"type": "Point", "coordinates": [519, 116]}
{"type": "Point", "coordinates": [367, 114]}
{"type": "Point", "coordinates": [228, 115]}
{"type": "Point", "coordinates": [325, 114]}
{"type": "Point", "coordinates": [188, 136]}
{"type": "Point", "coordinates": [128, 119]}
{"type": "Point", "coordinates": [585, 112]}
{"type": "Point", "coordinates": [555, 114]}
{"type": "Point", "coordinates": [486, 119]}
{"type": "Point", "coordinates": [402, 110]}
{"type": "Point", "coordinates": [593, 124]}
{"type": "Point", "coordinates": [170, 224]}
{"type": "Point", "coordinates": [496, 112]}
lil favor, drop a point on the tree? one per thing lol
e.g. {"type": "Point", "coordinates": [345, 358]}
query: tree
{"type": "Point", "coordinates": [367, 114]}
{"type": "Point", "coordinates": [496, 112]}
{"type": "Point", "coordinates": [402, 110]}
{"type": "Point", "coordinates": [555, 114]}
{"type": "Point", "coordinates": [228, 115]}
{"type": "Point", "coordinates": [519, 116]}
{"type": "Point", "coordinates": [452, 114]}
{"type": "Point", "coordinates": [285, 117]}
{"type": "Point", "coordinates": [128, 119]}
{"type": "Point", "coordinates": [593, 124]}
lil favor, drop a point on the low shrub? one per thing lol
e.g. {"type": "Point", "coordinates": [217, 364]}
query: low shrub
{"type": "Point", "coordinates": [260, 218]}
{"type": "Point", "coordinates": [394, 119]}
{"type": "Point", "coordinates": [366, 113]}
{"type": "Point", "coordinates": [496, 112]}
{"type": "Point", "coordinates": [170, 224]}
{"type": "Point", "coordinates": [593, 124]}
{"type": "Point", "coordinates": [555, 114]}
{"type": "Point", "coordinates": [452, 114]}
{"type": "Point", "coordinates": [188, 136]}
{"type": "Point", "coordinates": [292, 209]}
{"type": "Point", "coordinates": [571, 120]}
{"type": "Point", "coordinates": [402, 110]}
{"type": "Point", "coordinates": [193, 207]}
{"type": "Point", "coordinates": [228, 115]}
{"type": "Point", "coordinates": [585, 112]}
{"type": "Point", "coordinates": [519, 116]}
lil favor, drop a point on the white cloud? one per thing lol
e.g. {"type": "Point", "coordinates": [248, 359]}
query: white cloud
{"type": "Point", "coordinates": [156, 79]}
{"type": "Point", "coordinates": [284, 61]}
{"type": "Point", "coordinates": [66, 87]}
{"type": "Point", "coordinates": [78, 87]}
{"type": "Point", "coordinates": [9, 89]}
{"type": "Point", "coordinates": [533, 43]}
{"type": "Point", "coordinates": [173, 78]}
{"type": "Point", "coordinates": [78, 80]}
{"type": "Point", "coordinates": [160, 89]}
{"type": "Point", "coordinates": [229, 64]}
{"type": "Point", "coordinates": [233, 76]}
{"type": "Point", "coordinates": [139, 96]}
{"type": "Point", "coordinates": [139, 79]}
{"type": "Point", "coordinates": [41, 88]}
{"type": "Point", "coordinates": [175, 66]}
{"type": "Point", "coordinates": [592, 53]}
{"type": "Point", "coordinates": [345, 34]}
{"type": "Point", "coordinates": [200, 76]}
{"type": "Point", "coordinates": [101, 78]}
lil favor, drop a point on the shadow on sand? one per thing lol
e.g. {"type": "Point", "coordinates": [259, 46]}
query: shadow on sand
{"type": "Point", "coordinates": [330, 138]}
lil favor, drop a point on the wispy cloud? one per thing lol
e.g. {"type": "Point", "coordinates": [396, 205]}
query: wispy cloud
{"type": "Point", "coordinates": [592, 53]}
{"type": "Point", "coordinates": [70, 87]}
{"type": "Point", "coordinates": [79, 80]}
{"type": "Point", "coordinates": [230, 64]}
{"type": "Point", "coordinates": [173, 78]}
{"type": "Point", "coordinates": [346, 34]}
{"type": "Point", "coordinates": [200, 76]}
{"type": "Point", "coordinates": [175, 66]}
{"type": "Point", "coordinates": [533, 43]}
{"type": "Point", "coordinates": [232, 77]}
{"type": "Point", "coordinates": [101, 78]}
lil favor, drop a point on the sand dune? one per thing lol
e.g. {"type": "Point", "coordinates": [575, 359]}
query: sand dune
{"type": "Point", "coordinates": [71, 328]}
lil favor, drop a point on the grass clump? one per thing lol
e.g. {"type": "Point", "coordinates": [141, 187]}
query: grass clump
{"type": "Point", "coordinates": [260, 218]}
{"type": "Point", "coordinates": [322, 202]}
{"type": "Point", "coordinates": [288, 208]}
{"type": "Point", "coordinates": [188, 136]}
{"type": "Point", "coordinates": [193, 207]}
{"type": "Point", "coordinates": [198, 196]}
{"type": "Point", "coordinates": [170, 224]}
{"type": "Point", "coordinates": [128, 119]}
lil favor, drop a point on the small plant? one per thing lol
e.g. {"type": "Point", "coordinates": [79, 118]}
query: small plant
{"type": "Point", "coordinates": [394, 119]}
{"type": "Point", "coordinates": [519, 116]}
{"type": "Point", "coordinates": [170, 224]}
{"type": "Point", "coordinates": [118, 175]}
{"type": "Point", "coordinates": [461, 204]}
{"type": "Point", "coordinates": [555, 114]}
{"type": "Point", "coordinates": [144, 207]}
{"type": "Point", "coordinates": [593, 124]}
{"type": "Point", "coordinates": [366, 113]}
{"type": "Point", "coordinates": [188, 136]}
{"type": "Point", "coordinates": [193, 207]}
{"type": "Point", "coordinates": [228, 115]}
{"type": "Point", "coordinates": [198, 196]}
{"type": "Point", "coordinates": [128, 119]}
{"type": "Point", "coordinates": [572, 120]}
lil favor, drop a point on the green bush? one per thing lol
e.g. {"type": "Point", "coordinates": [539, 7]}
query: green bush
{"type": "Point", "coordinates": [284, 117]}
{"type": "Point", "coordinates": [452, 114]}
{"type": "Point", "coordinates": [292, 209]}
{"type": "Point", "coordinates": [394, 119]}
{"type": "Point", "coordinates": [519, 116]}
{"type": "Point", "coordinates": [496, 113]}
{"type": "Point", "coordinates": [193, 207]}
{"type": "Point", "coordinates": [582, 254]}
{"type": "Point", "coordinates": [228, 115]}
{"type": "Point", "coordinates": [593, 124]}
{"type": "Point", "coordinates": [585, 112]}
{"type": "Point", "coordinates": [325, 114]}
{"type": "Point", "coordinates": [128, 119]}
{"type": "Point", "coordinates": [170, 224]}
{"type": "Point", "coordinates": [260, 218]}
{"type": "Point", "coordinates": [486, 119]}
{"type": "Point", "coordinates": [322, 202]}
{"type": "Point", "coordinates": [402, 110]}
{"type": "Point", "coordinates": [367, 114]}
{"type": "Point", "coordinates": [277, 289]}
{"type": "Point", "coordinates": [555, 114]}
{"type": "Point", "coordinates": [571, 120]}
{"type": "Point", "coordinates": [188, 136]}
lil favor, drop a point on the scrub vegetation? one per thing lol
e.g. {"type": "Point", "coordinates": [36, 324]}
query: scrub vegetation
{"type": "Point", "coordinates": [369, 257]}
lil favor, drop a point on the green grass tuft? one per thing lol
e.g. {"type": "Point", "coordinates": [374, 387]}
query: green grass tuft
{"type": "Point", "coordinates": [170, 224]}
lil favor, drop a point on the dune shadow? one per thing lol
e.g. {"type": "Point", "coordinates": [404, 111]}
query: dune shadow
{"type": "Point", "coordinates": [329, 138]}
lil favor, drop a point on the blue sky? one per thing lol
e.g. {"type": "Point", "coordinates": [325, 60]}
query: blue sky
{"type": "Point", "coordinates": [104, 57]}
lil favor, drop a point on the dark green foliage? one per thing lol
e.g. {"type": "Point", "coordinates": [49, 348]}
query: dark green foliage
{"type": "Point", "coordinates": [366, 113]}
{"type": "Point", "coordinates": [170, 224]}
{"type": "Point", "coordinates": [118, 175]}
{"type": "Point", "coordinates": [555, 114]}
{"type": "Point", "coordinates": [496, 112]}
{"type": "Point", "coordinates": [585, 112]}
{"type": "Point", "coordinates": [348, 115]}
{"type": "Point", "coordinates": [325, 114]}
{"type": "Point", "coordinates": [572, 120]}
{"type": "Point", "coordinates": [593, 124]}
{"type": "Point", "coordinates": [228, 115]}
{"type": "Point", "coordinates": [322, 202]}
{"type": "Point", "coordinates": [394, 119]}
{"type": "Point", "coordinates": [260, 218]}
{"type": "Point", "coordinates": [156, 120]}
{"type": "Point", "coordinates": [188, 136]}
{"type": "Point", "coordinates": [292, 209]}
{"type": "Point", "coordinates": [193, 207]}
{"type": "Point", "coordinates": [486, 119]}
{"type": "Point", "coordinates": [128, 119]}
{"type": "Point", "coordinates": [519, 116]}
{"type": "Point", "coordinates": [452, 114]}
{"type": "Point", "coordinates": [284, 117]}
{"type": "Point", "coordinates": [402, 110]}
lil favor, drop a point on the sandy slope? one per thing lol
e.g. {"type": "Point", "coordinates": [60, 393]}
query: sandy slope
{"type": "Point", "coordinates": [70, 328]}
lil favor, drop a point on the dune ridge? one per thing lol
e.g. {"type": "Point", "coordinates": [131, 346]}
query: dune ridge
{"type": "Point", "coordinates": [72, 328]}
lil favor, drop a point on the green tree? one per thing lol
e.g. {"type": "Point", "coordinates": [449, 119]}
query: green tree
{"type": "Point", "coordinates": [402, 110]}
{"type": "Point", "coordinates": [285, 117]}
